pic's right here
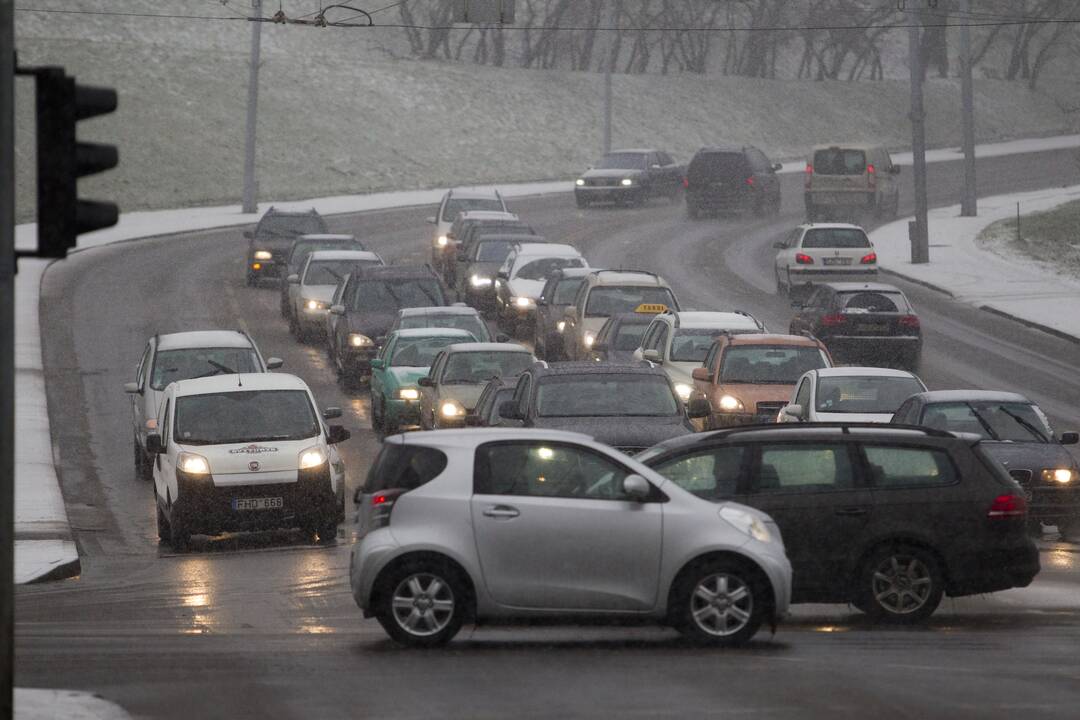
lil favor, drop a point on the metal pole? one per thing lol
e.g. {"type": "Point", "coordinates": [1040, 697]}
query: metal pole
{"type": "Point", "coordinates": [7, 356]}
{"type": "Point", "coordinates": [968, 202]}
{"type": "Point", "coordinates": [249, 205]}
{"type": "Point", "coordinates": [607, 104]}
{"type": "Point", "coordinates": [920, 250]}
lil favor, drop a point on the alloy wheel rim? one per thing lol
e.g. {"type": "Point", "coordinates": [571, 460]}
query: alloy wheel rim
{"type": "Point", "coordinates": [901, 584]}
{"type": "Point", "coordinates": [721, 604]}
{"type": "Point", "coordinates": [423, 604]}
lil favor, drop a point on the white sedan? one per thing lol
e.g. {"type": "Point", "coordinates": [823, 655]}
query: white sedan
{"type": "Point", "coordinates": [822, 252]}
{"type": "Point", "coordinates": [850, 394]}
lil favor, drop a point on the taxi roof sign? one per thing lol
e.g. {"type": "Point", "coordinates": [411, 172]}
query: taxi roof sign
{"type": "Point", "coordinates": [651, 308]}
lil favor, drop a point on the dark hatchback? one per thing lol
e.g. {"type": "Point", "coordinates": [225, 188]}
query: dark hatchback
{"type": "Point", "coordinates": [1017, 433]}
{"type": "Point", "coordinates": [731, 179]}
{"type": "Point", "coordinates": [620, 336]}
{"type": "Point", "coordinates": [367, 309]}
{"type": "Point", "coordinates": [478, 263]}
{"type": "Point", "coordinates": [629, 406]}
{"type": "Point", "coordinates": [886, 518]}
{"type": "Point", "coordinates": [555, 299]}
{"type": "Point", "coordinates": [273, 236]}
{"type": "Point", "coordinates": [486, 413]}
{"type": "Point", "coordinates": [298, 253]}
{"type": "Point", "coordinates": [859, 321]}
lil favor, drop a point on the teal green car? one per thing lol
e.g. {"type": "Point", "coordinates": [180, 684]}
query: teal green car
{"type": "Point", "coordinates": [406, 356]}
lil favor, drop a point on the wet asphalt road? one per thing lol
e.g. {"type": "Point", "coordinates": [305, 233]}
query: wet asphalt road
{"type": "Point", "coordinates": [263, 625]}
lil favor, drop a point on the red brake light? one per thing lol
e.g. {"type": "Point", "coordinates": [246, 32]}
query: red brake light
{"type": "Point", "coordinates": [910, 321]}
{"type": "Point", "coordinates": [1007, 506]}
{"type": "Point", "coordinates": [833, 320]}
{"type": "Point", "coordinates": [803, 259]}
{"type": "Point", "coordinates": [869, 259]}
{"type": "Point", "coordinates": [379, 499]}
{"type": "Point", "coordinates": [686, 182]}
{"type": "Point", "coordinates": [750, 181]}
{"type": "Point", "coordinates": [871, 176]}
{"type": "Point", "coordinates": [809, 175]}
{"type": "Point", "coordinates": [870, 169]}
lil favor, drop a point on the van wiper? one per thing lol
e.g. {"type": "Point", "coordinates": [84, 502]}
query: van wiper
{"type": "Point", "coordinates": [1025, 424]}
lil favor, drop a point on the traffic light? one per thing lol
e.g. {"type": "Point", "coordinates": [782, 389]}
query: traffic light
{"type": "Point", "coordinates": [62, 160]}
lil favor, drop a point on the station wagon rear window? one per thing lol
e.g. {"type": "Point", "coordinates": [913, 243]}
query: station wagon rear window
{"type": "Point", "coordinates": [879, 302]}
{"type": "Point", "coordinates": [245, 416]}
{"type": "Point", "coordinates": [717, 165]}
{"type": "Point", "coordinates": [837, 161]}
{"type": "Point", "coordinates": [835, 238]}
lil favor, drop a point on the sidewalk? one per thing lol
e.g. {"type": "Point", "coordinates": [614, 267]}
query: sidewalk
{"type": "Point", "coordinates": [42, 704]}
{"type": "Point", "coordinates": [1014, 286]}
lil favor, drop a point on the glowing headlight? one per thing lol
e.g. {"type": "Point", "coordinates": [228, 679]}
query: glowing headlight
{"type": "Point", "coordinates": [193, 464]}
{"type": "Point", "coordinates": [523, 302]}
{"type": "Point", "coordinates": [263, 255]}
{"type": "Point", "coordinates": [545, 453]}
{"type": "Point", "coordinates": [312, 458]}
{"type": "Point", "coordinates": [561, 325]}
{"type": "Point", "coordinates": [1058, 475]}
{"type": "Point", "coordinates": [442, 241]}
{"type": "Point", "coordinates": [358, 340]}
{"type": "Point", "coordinates": [479, 281]}
{"type": "Point", "coordinates": [747, 523]}
{"type": "Point", "coordinates": [452, 409]}
{"type": "Point", "coordinates": [579, 182]}
{"type": "Point", "coordinates": [589, 339]}
{"type": "Point", "coordinates": [683, 391]}
{"type": "Point", "coordinates": [729, 403]}
{"type": "Point", "coordinates": [314, 305]}
{"type": "Point", "coordinates": [627, 181]}
{"type": "Point", "coordinates": [408, 394]}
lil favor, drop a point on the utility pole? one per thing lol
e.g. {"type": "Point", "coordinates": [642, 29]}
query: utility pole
{"type": "Point", "coordinates": [968, 202]}
{"type": "Point", "coordinates": [918, 233]}
{"type": "Point", "coordinates": [608, 61]}
{"type": "Point", "coordinates": [249, 205]}
{"type": "Point", "coordinates": [7, 357]}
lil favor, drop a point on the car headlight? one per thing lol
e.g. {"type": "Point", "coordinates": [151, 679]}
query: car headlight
{"type": "Point", "coordinates": [1058, 475]}
{"type": "Point", "coordinates": [442, 241]}
{"type": "Point", "coordinates": [561, 325]}
{"type": "Point", "coordinates": [683, 391]}
{"type": "Point", "coordinates": [192, 464]}
{"type": "Point", "coordinates": [746, 523]}
{"type": "Point", "coordinates": [313, 457]}
{"type": "Point", "coordinates": [263, 255]}
{"type": "Point", "coordinates": [730, 403]}
{"type": "Point", "coordinates": [478, 281]}
{"type": "Point", "coordinates": [579, 182]}
{"type": "Point", "coordinates": [408, 394]}
{"type": "Point", "coordinates": [314, 305]}
{"type": "Point", "coordinates": [589, 339]}
{"type": "Point", "coordinates": [627, 181]}
{"type": "Point", "coordinates": [523, 302]}
{"type": "Point", "coordinates": [357, 340]}
{"type": "Point", "coordinates": [452, 409]}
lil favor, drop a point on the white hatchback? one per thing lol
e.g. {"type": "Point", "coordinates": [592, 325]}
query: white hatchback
{"type": "Point", "coordinates": [823, 252]}
{"type": "Point", "coordinates": [311, 290]}
{"type": "Point", "coordinates": [503, 523]}
{"type": "Point", "coordinates": [245, 452]}
{"type": "Point", "coordinates": [849, 394]}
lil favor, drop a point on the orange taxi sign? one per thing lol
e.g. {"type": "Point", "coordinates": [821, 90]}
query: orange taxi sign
{"type": "Point", "coordinates": [651, 308]}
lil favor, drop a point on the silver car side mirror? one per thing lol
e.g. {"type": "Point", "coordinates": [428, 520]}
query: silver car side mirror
{"type": "Point", "coordinates": [636, 487]}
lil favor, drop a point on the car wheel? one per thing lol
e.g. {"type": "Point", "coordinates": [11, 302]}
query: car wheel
{"type": "Point", "coordinates": [250, 280]}
{"type": "Point", "coordinates": [719, 603]}
{"type": "Point", "coordinates": [780, 289]}
{"type": "Point", "coordinates": [900, 584]}
{"type": "Point", "coordinates": [390, 426]}
{"type": "Point", "coordinates": [164, 532]}
{"type": "Point", "coordinates": [376, 416]}
{"type": "Point", "coordinates": [144, 466]}
{"type": "Point", "coordinates": [179, 536]}
{"type": "Point", "coordinates": [327, 532]}
{"type": "Point", "coordinates": [422, 603]}
{"type": "Point", "coordinates": [294, 327]}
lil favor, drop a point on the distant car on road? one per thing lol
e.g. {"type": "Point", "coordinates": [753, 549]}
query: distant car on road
{"type": "Point", "coordinates": [270, 241]}
{"type": "Point", "coordinates": [479, 262]}
{"type": "Point", "coordinates": [246, 455]}
{"type": "Point", "coordinates": [311, 290]}
{"type": "Point", "coordinates": [458, 376]}
{"type": "Point", "coordinates": [620, 337]}
{"type": "Point", "coordinates": [850, 394]}
{"type": "Point", "coordinates": [630, 177]}
{"type": "Point", "coordinates": [522, 278]}
{"type": "Point", "coordinates": [171, 357]}
{"type": "Point", "coordinates": [486, 523]}
{"type": "Point", "coordinates": [886, 518]}
{"type": "Point", "coordinates": [732, 179]}
{"type": "Point", "coordinates": [1015, 432]}
{"type": "Point", "coordinates": [851, 179]}
{"type": "Point", "coordinates": [468, 225]}
{"type": "Point", "coordinates": [453, 203]}
{"type": "Point", "coordinates": [604, 293]}
{"type": "Point", "coordinates": [297, 256]}
{"type": "Point", "coordinates": [823, 253]}
{"type": "Point", "coordinates": [457, 316]}
{"type": "Point", "coordinates": [555, 299]}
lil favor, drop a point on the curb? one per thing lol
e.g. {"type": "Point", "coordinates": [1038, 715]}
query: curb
{"type": "Point", "coordinates": [1032, 324]}
{"type": "Point", "coordinates": [916, 281]}
{"type": "Point", "coordinates": [63, 571]}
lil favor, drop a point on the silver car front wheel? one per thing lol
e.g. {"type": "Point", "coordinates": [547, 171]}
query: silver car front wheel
{"type": "Point", "coordinates": [720, 602]}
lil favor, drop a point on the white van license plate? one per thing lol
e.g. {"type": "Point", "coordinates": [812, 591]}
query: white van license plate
{"type": "Point", "coordinates": [269, 503]}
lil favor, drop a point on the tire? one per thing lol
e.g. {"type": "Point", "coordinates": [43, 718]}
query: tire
{"type": "Point", "coordinates": [327, 532]}
{"type": "Point", "coordinates": [719, 602]}
{"type": "Point", "coordinates": [781, 289]}
{"type": "Point", "coordinates": [164, 532]}
{"type": "Point", "coordinates": [294, 328]}
{"type": "Point", "coordinates": [144, 470]}
{"type": "Point", "coordinates": [179, 536]}
{"type": "Point", "coordinates": [250, 280]}
{"type": "Point", "coordinates": [431, 602]}
{"type": "Point", "coordinates": [900, 584]}
{"type": "Point", "coordinates": [376, 417]}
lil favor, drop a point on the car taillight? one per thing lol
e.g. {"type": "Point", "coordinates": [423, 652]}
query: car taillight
{"type": "Point", "coordinates": [809, 175]}
{"type": "Point", "coordinates": [686, 182]}
{"type": "Point", "coordinates": [869, 259]}
{"type": "Point", "coordinates": [910, 321]}
{"type": "Point", "coordinates": [1007, 506]}
{"type": "Point", "coordinates": [833, 320]}
{"type": "Point", "coordinates": [750, 181]}
{"type": "Point", "coordinates": [871, 176]}
{"type": "Point", "coordinates": [382, 504]}
{"type": "Point", "coordinates": [803, 259]}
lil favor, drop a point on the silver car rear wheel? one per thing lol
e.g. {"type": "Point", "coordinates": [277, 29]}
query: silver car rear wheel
{"type": "Point", "coordinates": [722, 604]}
{"type": "Point", "coordinates": [423, 604]}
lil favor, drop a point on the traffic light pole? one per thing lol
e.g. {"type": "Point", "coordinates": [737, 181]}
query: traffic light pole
{"type": "Point", "coordinates": [968, 202]}
{"type": "Point", "coordinates": [919, 232]}
{"type": "Point", "coordinates": [249, 201]}
{"type": "Point", "coordinates": [7, 356]}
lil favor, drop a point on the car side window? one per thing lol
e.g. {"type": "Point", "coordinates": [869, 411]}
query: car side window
{"type": "Point", "coordinates": [539, 469]}
{"type": "Point", "coordinates": [757, 160]}
{"type": "Point", "coordinates": [660, 341]}
{"type": "Point", "coordinates": [897, 467]}
{"type": "Point", "coordinates": [164, 422]}
{"type": "Point", "coordinates": [714, 362]}
{"type": "Point", "coordinates": [803, 396]}
{"type": "Point", "coordinates": [905, 413]}
{"type": "Point", "coordinates": [140, 374]}
{"type": "Point", "coordinates": [711, 474]}
{"type": "Point", "coordinates": [786, 468]}
{"type": "Point", "coordinates": [650, 333]}
{"type": "Point", "coordinates": [665, 159]}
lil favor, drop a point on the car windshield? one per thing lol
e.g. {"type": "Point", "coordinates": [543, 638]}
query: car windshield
{"type": "Point", "coordinates": [469, 323]}
{"type": "Point", "coordinates": [290, 225]}
{"type": "Point", "coordinates": [494, 251]}
{"type": "Point", "coordinates": [864, 394]}
{"type": "Point", "coordinates": [185, 364]}
{"type": "Point", "coordinates": [836, 161]}
{"type": "Point", "coordinates": [477, 367]}
{"type": "Point", "coordinates": [877, 302]}
{"type": "Point", "coordinates": [302, 249]}
{"type": "Point", "coordinates": [331, 272]}
{"type": "Point", "coordinates": [769, 364]}
{"type": "Point", "coordinates": [609, 300]}
{"type": "Point", "coordinates": [389, 295]}
{"type": "Point", "coordinates": [1005, 421]}
{"type": "Point", "coordinates": [622, 161]}
{"type": "Point", "coordinates": [835, 238]}
{"type": "Point", "coordinates": [540, 269]}
{"type": "Point", "coordinates": [726, 165]}
{"type": "Point", "coordinates": [692, 344]}
{"type": "Point", "coordinates": [628, 336]}
{"type": "Point", "coordinates": [419, 352]}
{"type": "Point", "coordinates": [455, 206]}
{"type": "Point", "coordinates": [606, 395]}
{"type": "Point", "coordinates": [566, 291]}
{"type": "Point", "coordinates": [245, 416]}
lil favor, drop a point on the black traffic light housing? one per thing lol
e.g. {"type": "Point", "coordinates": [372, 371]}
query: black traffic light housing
{"type": "Point", "coordinates": [62, 160]}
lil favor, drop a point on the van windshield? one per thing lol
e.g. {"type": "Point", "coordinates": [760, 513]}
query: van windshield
{"type": "Point", "coordinates": [245, 416]}
{"type": "Point", "coordinates": [175, 365]}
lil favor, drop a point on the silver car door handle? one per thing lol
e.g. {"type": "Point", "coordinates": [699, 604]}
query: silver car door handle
{"type": "Point", "coordinates": [501, 511]}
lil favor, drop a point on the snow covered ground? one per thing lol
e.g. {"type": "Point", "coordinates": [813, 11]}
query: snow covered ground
{"type": "Point", "coordinates": [43, 704]}
{"type": "Point", "coordinates": [1009, 284]}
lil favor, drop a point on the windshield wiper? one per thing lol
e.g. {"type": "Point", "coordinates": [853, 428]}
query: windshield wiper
{"type": "Point", "coordinates": [982, 421]}
{"type": "Point", "coordinates": [1026, 425]}
{"type": "Point", "coordinates": [223, 368]}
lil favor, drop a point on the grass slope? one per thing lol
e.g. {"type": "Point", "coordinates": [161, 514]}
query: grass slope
{"type": "Point", "coordinates": [1051, 237]}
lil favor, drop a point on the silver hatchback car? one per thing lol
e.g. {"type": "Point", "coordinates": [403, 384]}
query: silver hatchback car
{"type": "Point", "coordinates": [480, 524]}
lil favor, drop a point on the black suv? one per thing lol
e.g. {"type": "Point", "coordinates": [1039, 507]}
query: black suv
{"type": "Point", "coordinates": [555, 299]}
{"type": "Point", "coordinates": [629, 406]}
{"type": "Point", "coordinates": [269, 243]}
{"type": "Point", "coordinates": [731, 179]}
{"type": "Point", "coordinates": [367, 308]}
{"type": "Point", "coordinates": [888, 518]}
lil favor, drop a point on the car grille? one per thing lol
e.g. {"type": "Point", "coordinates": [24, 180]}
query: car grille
{"type": "Point", "coordinates": [1021, 476]}
{"type": "Point", "coordinates": [602, 182]}
{"type": "Point", "coordinates": [629, 449]}
{"type": "Point", "coordinates": [769, 408]}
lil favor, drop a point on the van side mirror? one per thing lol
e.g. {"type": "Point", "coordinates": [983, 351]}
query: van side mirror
{"type": "Point", "coordinates": [154, 445]}
{"type": "Point", "coordinates": [502, 338]}
{"type": "Point", "coordinates": [636, 487]}
{"type": "Point", "coordinates": [502, 275]}
{"type": "Point", "coordinates": [274, 363]}
{"type": "Point", "coordinates": [797, 305]}
{"type": "Point", "coordinates": [1069, 438]}
{"type": "Point", "coordinates": [698, 407]}
{"type": "Point", "coordinates": [425, 382]}
{"type": "Point", "coordinates": [702, 374]}
{"type": "Point", "coordinates": [132, 388]}
{"type": "Point", "coordinates": [776, 167]}
{"type": "Point", "coordinates": [794, 411]}
{"type": "Point", "coordinates": [293, 279]}
{"type": "Point", "coordinates": [358, 496]}
{"type": "Point", "coordinates": [779, 245]}
{"type": "Point", "coordinates": [652, 355]}
{"type": "Point", "coordinates": [508, 409]}
{"type": "Point", "coordinates": [331, 413]}
{"type": "Point", "coordinates": [337, 309]}
{"type": "Point", "coordinates": [378, 364]}
{"type": "Point", "coordinates": [336, 434]}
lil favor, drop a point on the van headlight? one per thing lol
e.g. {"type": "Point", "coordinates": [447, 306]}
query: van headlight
{"type": "Point", "coordinates": [1062, 476]}
{"type": "Point", "coordinates": [523, 303]}
{"type": "Point", "coordinates": [730, 403]}
{"type": "Point", "coordinates": [746, 523]}
{"type": "Point", "coordinates": [192, 464]}
{"type": "Point", "coordinates": [358, 341]}
{"type": "Point", "coordinates": [314, 305]}
{"type": "Point", "coordinates": [683, 391]}
{"type": "Point", "coordinates": [442, 241]}
{"type": "Point", "coordinates": [408, 393]}
{"type": "Point", "coordinates": [451, 409]}
{"type": "Point", "coordinates": [479, 281]}
{"type": "Point", "coordinates": [561, 325]}
{"type": "Point", "coordinates": [313, 457]}
{"type": "Point", "coordinates": [626, 182]}
{"type": "Point", "coordinates": [263, 255]}
{"type": "Point", "coordinates": [579, 182]}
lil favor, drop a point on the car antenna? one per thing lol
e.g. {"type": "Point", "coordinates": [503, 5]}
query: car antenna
{"type": "Point", "coordinates": [239, 380]}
